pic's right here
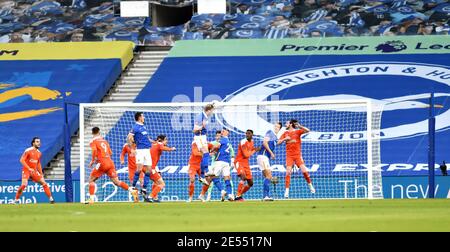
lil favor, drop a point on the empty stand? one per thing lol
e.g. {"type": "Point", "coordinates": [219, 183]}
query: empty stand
{"type": "Point", "coordinates": [126, 88]}
{"type": "Point", "coordinates": [35, 83]}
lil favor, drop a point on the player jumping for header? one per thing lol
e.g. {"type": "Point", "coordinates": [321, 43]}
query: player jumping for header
{"type": "Point", "coordinates": [200, 138]}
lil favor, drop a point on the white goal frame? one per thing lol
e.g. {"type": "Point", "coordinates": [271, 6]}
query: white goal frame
{"type": "Point", "coordinates": [367, 103]}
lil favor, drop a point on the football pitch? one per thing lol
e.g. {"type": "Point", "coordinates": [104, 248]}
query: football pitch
{"type": "Point", "coordinates": [305, 215]}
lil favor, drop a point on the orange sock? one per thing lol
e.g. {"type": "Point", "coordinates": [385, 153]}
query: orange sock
{"type": "Point", "coordinates": [191, 190]}
{"type": "Point", "coordinates": [91, 188]}
{"type": "Point", "coordinates": [124, 186]}
{"type": "Point", "coordinates": [307, 178]}
{"type": "Point", "coordinates": [204, 189]}
{"type": "Point", "coordinates": [240, 188]}
{"type": "Point", "coordinates": [245, 189]}
{"type": "Point", "coordinates": [47, 190]}
{"type": "Point", "coordinates": [20, 191]}
{"type": "Point", "coordinates": [156, 189]}
{"type": "Point", "coordinates": [288, 181]}
{"type": "Point", "coordinates": [153, 186]}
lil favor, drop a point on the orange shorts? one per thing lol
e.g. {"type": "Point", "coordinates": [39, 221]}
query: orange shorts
{"type": "Point", "coordinates": [155, 176]}
{"type": "Point", "coordinates": [106, 167]}
{"type": "Point", "coordinates": [194, 170]}
{"type": "Point", "coordinates": [132, 171]}
{"type": "Point", "coordinates": [34, 175]}
{"type": "Point", "coordinates": [244, 169]}
{"type": "Point", "coordinates": [298, 161]}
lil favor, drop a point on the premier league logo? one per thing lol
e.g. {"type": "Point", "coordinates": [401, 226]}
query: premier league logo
{"type": "Point", "coordinates": [391, 46]}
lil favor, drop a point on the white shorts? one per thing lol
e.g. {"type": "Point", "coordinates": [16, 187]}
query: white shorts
{"type": "Point", "coordinates": [143, 157]}
{"type": "Point", "coordinates": [219, 168]}
{"type": "Point", "coordinates": [263, 162]}
{"type": "Point", "coordinates": [201, 141]}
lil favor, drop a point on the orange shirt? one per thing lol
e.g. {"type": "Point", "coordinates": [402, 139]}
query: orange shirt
{"type": "Point", "coordinates": [32, 158]}
{"type": "Point", "coordinates": [245, 150]}
{"type": "Point", "coordinates": [156, 152]}
{"type": "Point", "coordinates": [196, 156]}
{"type": "Point", "coordinates": [127, 150]}
{"type": "Point", "coordinates": [293, 146]}
{"type": "Point", "coordinates": [100, 149]}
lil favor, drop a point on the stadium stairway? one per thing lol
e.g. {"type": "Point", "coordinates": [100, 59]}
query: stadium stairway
{"type": "Point", "coordinates": [126, 89]}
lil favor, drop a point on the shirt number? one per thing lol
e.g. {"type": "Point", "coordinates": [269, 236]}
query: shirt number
{"type": "Point", "coordinates": [105, 148]}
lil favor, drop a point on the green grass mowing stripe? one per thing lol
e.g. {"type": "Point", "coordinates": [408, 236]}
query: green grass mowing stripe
{"type": "Point", "coordinates": [324, 215]}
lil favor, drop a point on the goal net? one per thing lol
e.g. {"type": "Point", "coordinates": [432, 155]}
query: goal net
{"type": "Point", "coordinates": [342, 151]}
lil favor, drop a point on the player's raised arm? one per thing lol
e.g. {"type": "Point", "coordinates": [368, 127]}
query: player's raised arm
{"type": "Point", "coordinates": [167, 148]}
{"type": "Point", "coordinates": [305, 130]}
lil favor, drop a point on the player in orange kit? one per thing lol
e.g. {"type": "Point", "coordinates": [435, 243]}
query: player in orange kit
{"type": "Point", "coordinates": [292, 137]}
{"type": "Point", "coordinates": [130, 153]}
{"type": "Point", "coordinates": [156, 151]}
{"type": "Point", "coordinates": [245, 151]}
{"type": "Point", "coordinates": [31, 161]}
{"type": "Point", "coordinates": [103, 164]}
{"type": "Point", "coordinates": [195, 162]}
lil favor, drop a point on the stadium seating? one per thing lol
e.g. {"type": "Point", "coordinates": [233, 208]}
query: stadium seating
{"type": "Point", "coordinates": [80, 20]}
{"type": "Point", "coordinates": [323, 18]}
{"type": "Point", "coordinates": [61, 20]}
{"type": "Point", "coordinates": [37, 78]}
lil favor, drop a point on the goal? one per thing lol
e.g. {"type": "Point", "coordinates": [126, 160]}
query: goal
{"type": "Point", "coordinates": [342, 151]}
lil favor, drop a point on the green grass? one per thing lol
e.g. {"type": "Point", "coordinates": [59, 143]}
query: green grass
{"type": "Point", "coordinates": [323, 215]}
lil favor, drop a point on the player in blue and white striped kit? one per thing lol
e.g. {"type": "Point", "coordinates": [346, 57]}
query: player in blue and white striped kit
{"type": "Point", "coordinates": [200, 138]}
{"type": "Point", "coordinates": [266, 153]}
{"type": "Point", "coordinates": [139, 136]}
{"type": "Point", "coordinates": [221, 166]}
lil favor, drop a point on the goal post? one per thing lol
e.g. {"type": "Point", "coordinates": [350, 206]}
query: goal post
{"type": "Point", "coordinates": [342, 151]}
